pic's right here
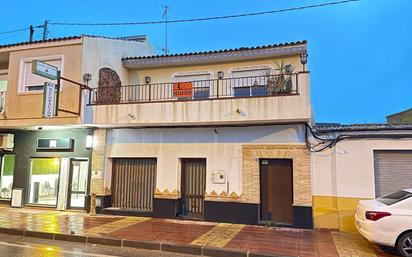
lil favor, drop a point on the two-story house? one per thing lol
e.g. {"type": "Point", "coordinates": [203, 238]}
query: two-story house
{"type": "Point", "coordinates": [50, 159]}
{"type": "Point", "coordinates": [215, 136]}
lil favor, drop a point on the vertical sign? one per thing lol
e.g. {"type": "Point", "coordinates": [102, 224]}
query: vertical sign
{"type": "Point", "coordinates": [49, 94]}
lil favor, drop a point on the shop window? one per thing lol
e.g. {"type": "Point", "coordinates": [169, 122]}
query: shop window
{"type": "Point", "coordinates": [6, 176]}
{"type": "Point", "coordinates": [44, 181]}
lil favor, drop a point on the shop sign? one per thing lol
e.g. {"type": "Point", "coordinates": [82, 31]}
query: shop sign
{"type": "Point", "coordinates": [45, 70]}
{"type": "Point", "coordinates": [182, 89]}
{"type": "Point", "coordinates": [49, 94]}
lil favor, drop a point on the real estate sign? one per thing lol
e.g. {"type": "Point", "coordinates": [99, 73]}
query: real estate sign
{"type": "Point", "coordinates": [45, 70]}
{"type": "Point", "coordinates": [49, 95]}
{"type": "Point", "coordinates": [182, 89]}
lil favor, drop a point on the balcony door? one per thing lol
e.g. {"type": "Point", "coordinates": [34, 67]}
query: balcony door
{"type": "Point", "coordinates": [200, 84]}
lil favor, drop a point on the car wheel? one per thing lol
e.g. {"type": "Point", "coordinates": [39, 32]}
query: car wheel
{"type": "Point", "coordinates": [405, 245]}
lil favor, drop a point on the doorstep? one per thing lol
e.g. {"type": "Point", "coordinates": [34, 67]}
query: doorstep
{"type": "Point", "coordinates": [126, 212]}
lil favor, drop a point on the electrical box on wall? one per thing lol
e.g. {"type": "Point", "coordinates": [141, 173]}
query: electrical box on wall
{"type": "Point", "coordinates": [219, 178]}
{"type": "Point", "coordinates": [7, 141]}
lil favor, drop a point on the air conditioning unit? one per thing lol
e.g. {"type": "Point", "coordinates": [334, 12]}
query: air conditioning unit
{"type": "Point", "coordinates": [7, 141]}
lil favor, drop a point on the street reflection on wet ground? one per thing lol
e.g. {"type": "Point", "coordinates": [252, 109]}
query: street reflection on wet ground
{"type": "Point", "coordinates": [11, 246]}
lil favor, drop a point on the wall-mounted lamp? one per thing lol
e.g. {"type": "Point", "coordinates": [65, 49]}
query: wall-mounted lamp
{"type": "Point", "coordinates": [147, 79]}
{"type": "Point", "coordinates": [89, 141]}
{"type": "Point", "coordinates": [86, 78]}
{"type": "Point", "coordinates": [304, 59]}
{"type": "Point", "coordinates": [220, 74]}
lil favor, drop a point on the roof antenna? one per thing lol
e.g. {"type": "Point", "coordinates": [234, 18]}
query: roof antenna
{"type": "Point", "coordinates": [45, 29]}
{"type": "Point", "coordinates": [165, 12]}
{"type": "Point", "coordinates": [31, 29]}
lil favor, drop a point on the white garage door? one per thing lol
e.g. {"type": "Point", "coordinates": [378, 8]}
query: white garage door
{"type": "Point", "coordinates": [393, 171]}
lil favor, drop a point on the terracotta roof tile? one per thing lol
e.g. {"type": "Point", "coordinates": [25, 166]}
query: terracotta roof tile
{"type": "Point", "coordinates": [361, 127]}
{"type": "Point", "coordinates": [217, 51]}
{"type": "Point", "coordinates": [40, 41]}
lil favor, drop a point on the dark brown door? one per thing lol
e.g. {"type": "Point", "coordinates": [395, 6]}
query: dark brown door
{"type": "Point", "coordinates": [133, 183]}
{"type": "Point", "coordinates": [193, 187]}
{"type": "Point", "coordinates": [276, 190]}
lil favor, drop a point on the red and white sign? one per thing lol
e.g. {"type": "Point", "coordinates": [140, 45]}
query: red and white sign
{"type": "Point", "coordinates": [182, 89]}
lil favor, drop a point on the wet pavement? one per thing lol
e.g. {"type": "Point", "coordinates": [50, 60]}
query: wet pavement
{"type": "Point", "coordinates": [18, 246]}
{"type": "Point", "coordinates": [291, 242]}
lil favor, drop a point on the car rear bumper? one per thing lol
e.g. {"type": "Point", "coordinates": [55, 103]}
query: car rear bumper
{"type": "Point", "coordinates": [370, 230]}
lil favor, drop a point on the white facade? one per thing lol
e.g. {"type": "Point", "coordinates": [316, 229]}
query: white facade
{"type": "Point", "coordinates": [221, 146]}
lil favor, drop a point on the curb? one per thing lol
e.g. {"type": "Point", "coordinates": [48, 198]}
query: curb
{"type": "Point", "coordinates": [146, 245]}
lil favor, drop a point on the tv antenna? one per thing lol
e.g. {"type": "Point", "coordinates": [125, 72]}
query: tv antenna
{"type": "Point", "coordinates": [165, 13]}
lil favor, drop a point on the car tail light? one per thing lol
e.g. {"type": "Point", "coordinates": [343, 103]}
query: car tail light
{"type": "Point", "coordinates": [376, 215]}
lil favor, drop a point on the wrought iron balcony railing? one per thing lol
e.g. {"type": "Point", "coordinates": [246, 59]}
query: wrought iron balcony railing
{"type": "Point", "coordinates": [243, 87]}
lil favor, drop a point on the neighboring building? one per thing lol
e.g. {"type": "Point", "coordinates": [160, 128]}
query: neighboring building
{"type": "Point", "coordinates": [48, 158]}
{"type": "Point", "coordinates": [404, 117]}
{"type": "Point", "coordinates": [215, 136]}
{"type": "Point", "coordinates": [372, 160]}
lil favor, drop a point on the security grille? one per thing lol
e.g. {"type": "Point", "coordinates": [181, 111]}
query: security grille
{"type": "Point", "coordinates": [133, 183]}
{"type": "Point", "coordinates": [193, 187]}
{"type": "Point", "coordinates": [393, 171]}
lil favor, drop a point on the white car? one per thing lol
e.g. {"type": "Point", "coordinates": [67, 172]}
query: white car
{"type": "Point", "coordinates": [387, 220]}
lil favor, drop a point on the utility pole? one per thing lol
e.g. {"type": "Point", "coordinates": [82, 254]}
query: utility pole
{"type": "Point", "coordinates": [45, 29]}
{"type": "Point", "coordinates": [31, 33]}
{"type": "Point", "coordinates": [166, 9]}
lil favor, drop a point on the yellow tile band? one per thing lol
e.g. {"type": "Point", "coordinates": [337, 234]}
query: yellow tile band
{"type": "Point", "coordinates": [115, 225]}
{"type": "Point", "coordinates": [219, 236]}
{"type": "Point", "coordinates": [352, 245]}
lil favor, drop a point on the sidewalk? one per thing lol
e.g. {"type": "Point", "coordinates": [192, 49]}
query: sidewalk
{"type": "Point", "coordinates": [193, 237]}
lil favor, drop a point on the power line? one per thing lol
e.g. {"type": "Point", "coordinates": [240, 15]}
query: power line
{"type": "Point", "coordinates": [203, 19]}
{"type": "Point", "coordinates": [13, 31]}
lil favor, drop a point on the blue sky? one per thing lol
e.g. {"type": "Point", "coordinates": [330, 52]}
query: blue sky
{"type": "Point", "coordinates": [360, 54]}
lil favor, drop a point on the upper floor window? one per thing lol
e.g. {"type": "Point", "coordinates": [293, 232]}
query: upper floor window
{"type": "Point", "coordinates": [3, 89]}
{"type": "Point", "coordinates": [3, 80]}
{"type": "Point", "coordinates": [200, 83]}
{"type": "Point", "coordinates": [29, 82]}
{"type": "Point", "coordinates": [250, 81]}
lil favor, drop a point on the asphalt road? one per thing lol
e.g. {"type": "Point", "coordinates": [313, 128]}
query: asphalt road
{"type": "Point", "coordinates": [34, 247]}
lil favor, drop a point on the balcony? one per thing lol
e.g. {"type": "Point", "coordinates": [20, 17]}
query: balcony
{"type": "Point", "coordinates": [257, 86]}
{"type": "Point", "coordinates": [258, 99]}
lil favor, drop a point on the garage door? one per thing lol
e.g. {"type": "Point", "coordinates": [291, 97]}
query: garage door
{"type": "Point", "coordinates": [393, 171]}
{"type": "Point", "coordinates": [133, 183]}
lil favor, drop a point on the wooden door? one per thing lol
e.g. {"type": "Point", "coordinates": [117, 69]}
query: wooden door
{"type": "Point", "coordinates": [276, 190]}
{"type": "Point", "coordinates": [193, 187]}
